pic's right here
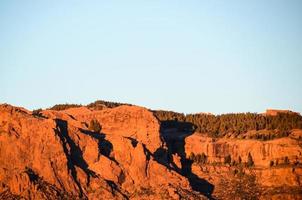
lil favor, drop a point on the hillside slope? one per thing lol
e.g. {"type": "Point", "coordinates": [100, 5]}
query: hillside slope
{"type": "Point", "coordinates": [55, 156]}
{"type": "Point", "coordinates": [58, 154]}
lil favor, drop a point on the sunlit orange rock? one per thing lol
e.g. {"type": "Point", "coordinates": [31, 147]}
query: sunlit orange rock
{"type": "Point", "coordinates": [55, 156]}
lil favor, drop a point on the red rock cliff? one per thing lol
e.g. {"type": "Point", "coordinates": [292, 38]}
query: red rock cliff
{"type": "Point", "coordinates": [55, 156]}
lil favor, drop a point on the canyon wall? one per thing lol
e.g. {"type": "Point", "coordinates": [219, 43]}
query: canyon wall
{"type": "Point", "coordinates": [57, 155]}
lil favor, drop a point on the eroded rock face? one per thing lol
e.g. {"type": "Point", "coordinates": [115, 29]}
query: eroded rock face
{"type": "Point", "coordinates": [262, 152]}
{"type": "Point", "coordinates": [276, 170]}
{"type": "Point", "coordinates": [39, 154]}
{"type": "Point", "coordinates": [127, 121]}
{"type": "Point", "coordinates": [274, 112]}
{"type": "Point", "coordinates": [55, 156]}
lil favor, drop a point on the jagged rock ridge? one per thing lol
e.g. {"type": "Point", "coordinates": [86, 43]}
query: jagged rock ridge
{"type": "Point", "coordinates": [54, 154]}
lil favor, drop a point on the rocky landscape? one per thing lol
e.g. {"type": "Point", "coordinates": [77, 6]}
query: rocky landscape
{"type": "Point", "coordinates": [114, 151]}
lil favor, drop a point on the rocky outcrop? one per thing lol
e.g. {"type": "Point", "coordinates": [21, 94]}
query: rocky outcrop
{"type": "Point", "coordinates": [262, 152]}
{"type": "Point", "coordinates": [55, 156]}
{"type": "Point", "coordinates": [127, 121]}
{"type": "Point", "coordinates": [275, 112]}
{"type": "Point", "coordinates": [38, 154]}
{"type": "Point", "coordinates": [275, 170]}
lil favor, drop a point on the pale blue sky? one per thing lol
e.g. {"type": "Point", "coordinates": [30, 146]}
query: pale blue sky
{"type": "Point", "coordinates": [186, 56]}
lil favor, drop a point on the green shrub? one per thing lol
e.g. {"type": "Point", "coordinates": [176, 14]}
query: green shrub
{"type": "Point", "coordinates": [203, 158]}
{"type": "Point", "coordinates": [198, 158]}
{"type": "Point", "coordinates": [250, 161]}
{"type": "Point", "coordinates": [227, 159]}
{"type": "Point", "coordinates": [239, 160]}
{"type": "Point", "coordinates": [192, 156]}
{"type": "Point", "coordinates": [220, 125]}
{"type": "Point", "coordinates": [65, 106]}
{"type": "Point", "coordinates": [286, 161]}
{"type": "Point", "coordinates": [95, 126]}
{"type": "Point", "coordinates": [37, 112]}
{"type": "Point", "coordinates": [100, 104]}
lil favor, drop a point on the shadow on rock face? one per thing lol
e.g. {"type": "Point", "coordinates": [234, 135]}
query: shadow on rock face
{"type": "Point", "coordinates": [74, 155]}
{"type": "Point", "coordinates": [173, 134]}
{"type": "Point", "coordinates": [105, 146]}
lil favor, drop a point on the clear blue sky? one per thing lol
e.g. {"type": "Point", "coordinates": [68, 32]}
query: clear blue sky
{"type": "Point", "coordinates": [187, 56]}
